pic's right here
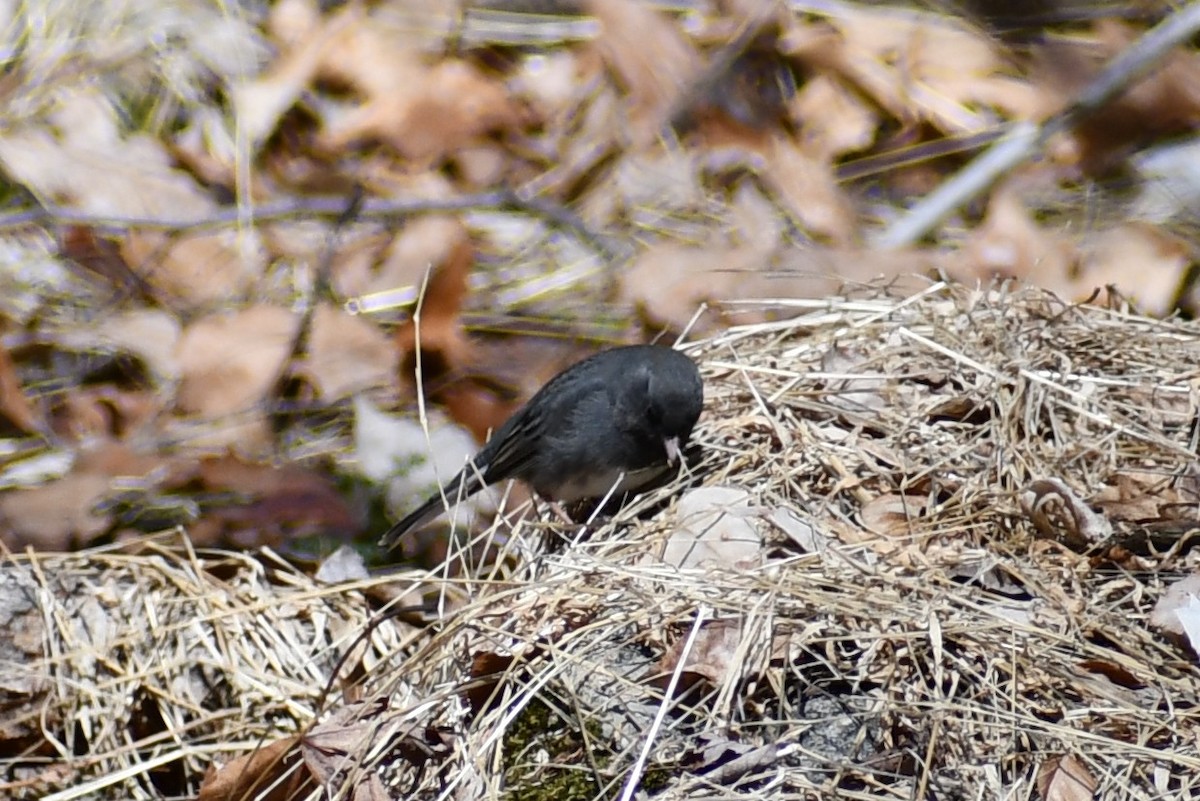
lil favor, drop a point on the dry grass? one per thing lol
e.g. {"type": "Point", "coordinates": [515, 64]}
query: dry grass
{"type": "Point", "coordinates": [930, 642]}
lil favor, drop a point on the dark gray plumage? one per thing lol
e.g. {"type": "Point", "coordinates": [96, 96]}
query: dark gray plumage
{"type": "Point", "coordinates": [616, 419]}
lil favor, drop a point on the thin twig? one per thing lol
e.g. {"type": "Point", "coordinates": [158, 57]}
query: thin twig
{"type": "Point", "coordinates": [1026, 138]}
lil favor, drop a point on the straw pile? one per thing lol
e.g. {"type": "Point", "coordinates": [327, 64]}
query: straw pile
{"type": "Point", "coordinates": [952, 513]}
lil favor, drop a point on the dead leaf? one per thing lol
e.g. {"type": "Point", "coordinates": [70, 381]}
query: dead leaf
{"type": "Point", "coordinates": [1065, 778]}
{"type": "Point", "coordinates": [97, 253]}
{"type": "Point", "coordinates": [346, 355]}
{"type": "Point", "coordinates": [832, 118]}
{"type": "Point", "coordinates": [713, 527]}
{"type": "Point", "coordinates": [196, 270]}
{"type": "Point", "coordinates": [436, 328]}
{"type": "Point", "coordinates": [1117, 674]}
{"type": "Point", "coordinates": [271, 773]}
{"type": "Point", "coordinates": [343, 565]}
{"type": "Point", "coordinates": [420, 246]}
{"type": "Point", "coordinates": [1010, 244]}
{"type": "Point", "coordinates": [150, 334]}
{"type": "Point", "coordinates": [803, 532]}
{"type": "Point", "coordinates": [336, 747]}
{"type": "Point", "coordinates": [14, 405]}
{"type": "Point", "coordinates": [53, 516]}
{"type": "Point", "coordinates": [84, 161]}
{"type": "Point", "coordinates": [260, 103]}
{"type": "Point", "coordinates": [447, 357]}
{"type": "Point", "coordinates": [1162, 103]}
{"type": "Point", "coordinates": [805, 183]}
{"type": "Point", "coordinates": [550, 81]}
{"type": "Point", "coordinates": [855, 384]}
{"type": "Point", "coordinates": [930, 65]}
{"type": "Point", "coordinates": [1057, 512]}
{"type": "Point", "coordinates": [668, 282]}
{"type": "Point", "coordinates": [1160, 263]}
{"type": "Point", "coordinates": [1177, 612]}
{"type": "Point", "coordinates": [654, 63]}
{"type": "Point", "coordinates": [425, 112]}
{"type": "Point", "coordinates": [713, 654]}
{"type": "Point", "coordinates": [1141, 495]}
{"type": "Point", "coordinates": [724, 761]}
{"type": "Point", "coordinates": [273, 505]}
{"type": "Point", "coordinates": [892, 515]}
{"type": "Point", "coordinates": [229, 362]}
{"type": "Point", "coordinates": [25, 676]}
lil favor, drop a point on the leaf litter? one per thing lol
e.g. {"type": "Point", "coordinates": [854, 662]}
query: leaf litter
{"type": "Point", "coordinates": [1052, 678]}
{"type": "Point", "coordinates": [928, 528]}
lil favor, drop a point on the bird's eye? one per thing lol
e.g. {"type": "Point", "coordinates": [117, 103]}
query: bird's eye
{"type": "Point", "coordinates": [653, 414]}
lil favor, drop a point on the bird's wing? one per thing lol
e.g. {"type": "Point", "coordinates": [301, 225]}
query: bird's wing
{"type": "Point", "coordinates": [512, 448]}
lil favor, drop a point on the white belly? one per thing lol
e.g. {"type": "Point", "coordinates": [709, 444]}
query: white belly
{"type": "Point", "coordinates": [598, 486]}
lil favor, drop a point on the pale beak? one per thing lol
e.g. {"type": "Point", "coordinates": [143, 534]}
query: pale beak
{"type": "Point", "coordinates": [672, 446]}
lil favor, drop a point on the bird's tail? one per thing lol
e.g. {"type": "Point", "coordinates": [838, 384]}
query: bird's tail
{"type": "Point", "coordinates": [462, 486]}
{"type": "Point", "coordinates": [415, 519]}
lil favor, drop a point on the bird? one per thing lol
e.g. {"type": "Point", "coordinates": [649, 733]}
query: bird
{"type": "Point", "coordinates": [613, 422]}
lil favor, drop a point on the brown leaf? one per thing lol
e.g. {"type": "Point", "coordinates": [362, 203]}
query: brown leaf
{"type": "Point", "coordinates": [150, 334]}
{"type": "Point", "coordinates": [713, 654]}
{"type": "Point", "coordinates": [425, 112]}
{"type": "Point", "coordinates": [229, 362]}
{"type": "Point", "coordinates": [196, 269]}
{"type": "Point", "coordinates": [284, 503]}
{"type": "Point", "coordinates": [833, 118]}
{"type": "Point", "coordinates": [892, 515]}
{"type": "Point", "coordinates": [14, 406]}
{"type": "Point", "coordinates": [337, 746]}
{"type": "Point", "coordinates": [261, 102]}
{"type": "Point", "coordinates": [447, 357]}
{"type": "Point", "coordinates": [375, 264]}
{"type": "Point", "coordinates": [271, 773]}
{"type": "Point", "coordinates": [86, 162]}
{"type": "Point", "coordinates": [1164, 102]}
{"type": "Point", "coordinates": [51, 517]}
{"type": "Point", "coordinates": [83, 161]}
{"type": "Point", "coordinates": [653, 61]}
{"type": "Point", "coordinates": [346, 354]}
{"type": "Point", "coordinates": [1057, 512]}
{"type": "Point", "coordinates": [1011, 244]}
{"type": "Point", "coordinates": [56, 515]}
{"type": "Point", "coordinates": [932, 66]}
{"type": "Point", "coordinates": [1065, 778]}
{"type": "Point", "coordinates": [805, 183]}
{"type": "Point", "coordinates": [99, 255]}
{"type": "Point", "coordinates": [107, 412]}
{"type": "Point", "coordinates": [438, 331]}
{"type": "Point", "coordinates": [1117, 674]}
{"type": "Point", "coordinates": [1141, 495]}
{"type": "Point", "coordinates": [668, 282]}
{"type": "Point", "coordinates": [1162, 264]}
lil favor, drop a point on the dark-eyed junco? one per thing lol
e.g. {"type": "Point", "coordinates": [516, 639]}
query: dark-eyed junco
{"type": "Point", "coordinates": [612, 422]}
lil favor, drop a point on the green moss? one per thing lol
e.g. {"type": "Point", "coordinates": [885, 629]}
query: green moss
{"type": "Point", "coordinates": [545, 758]}
{"type": "Point", "coordinates": [656, 779]}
